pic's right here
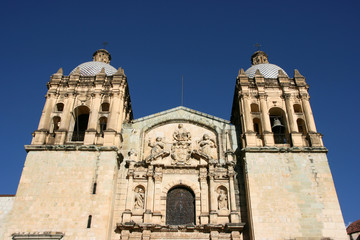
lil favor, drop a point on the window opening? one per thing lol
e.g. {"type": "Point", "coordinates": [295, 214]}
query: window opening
{"type": "Point", "coordinates": [105, 107]}
{"type": "Point", "coordinates": [254, 108]}
{"type": "Point", "coordinates": [59, 107]}
{"type": "Point", "coordinates": [89, 221]}
{"type": "Point", "coordinates": [94, 189]}
{"type": "Point", "coordinates": [297, 108]}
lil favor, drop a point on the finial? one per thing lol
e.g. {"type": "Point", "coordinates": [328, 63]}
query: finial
{"type": "Point", "coordinates": [258, 46]}
{"type": "Point", "coordinates": [281, 73]}
{"type": "Point", "coordinates": [297, 74]}
{"type": "Point", "coordinates": [120, 71]}
{"type": "Point", "coordinates": [241, 72]}
{"type": "Point", "coordinates": [60, 71]}
{"type": "Point", "coordinates": [105, 43]}
{"type": "Point", "coordinates": [258, 73]}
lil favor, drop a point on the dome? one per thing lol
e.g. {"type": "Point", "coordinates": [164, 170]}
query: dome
{"type": "Point", "coordinates": [353, 227]}
{"type": "Point", "coordinates": [93, 68]}
{"type": "Point", "coordinates": [268, 70]}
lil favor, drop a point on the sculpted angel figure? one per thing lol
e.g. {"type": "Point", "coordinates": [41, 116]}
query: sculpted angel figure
{"type": "Point", "coordinates": [157, 147]}
{"type": "Point", "coordinates": [139, 198]}
{"type": "Point", "coordinates": [206, 144]}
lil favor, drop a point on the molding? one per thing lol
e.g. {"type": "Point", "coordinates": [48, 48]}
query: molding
{"type": "Point", "coordinates": [29, 148]}
{"type": "Point", "coordinates": [285, 149]}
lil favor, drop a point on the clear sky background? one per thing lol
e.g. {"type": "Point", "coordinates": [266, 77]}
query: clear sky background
{"type": "Point", "coordinates": [206, 41]}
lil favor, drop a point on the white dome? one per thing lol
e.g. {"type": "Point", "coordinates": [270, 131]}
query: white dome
{"type": "Point", "coordinates": [268, 70]}
{"type": "Point", "coordinates": [93, 68]}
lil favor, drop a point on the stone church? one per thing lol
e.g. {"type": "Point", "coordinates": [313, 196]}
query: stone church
{"type": "Point", "coordinates": [94, 172]}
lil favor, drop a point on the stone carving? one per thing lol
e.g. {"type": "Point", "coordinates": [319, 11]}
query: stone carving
{"type": "Point", "coordinates": [222, 198]}
{"type": "Point", "coordinates": [180, 149]}
{"type": "Point", "coordinates": [157, 150]}
{"type": "Point", "coordinates": [206, 144]}
{"type": "Point", "coordinates": [139, 198]}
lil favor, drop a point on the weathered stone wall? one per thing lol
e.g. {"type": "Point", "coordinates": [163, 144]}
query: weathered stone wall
{"type": "Point", "coordinates": [6, 204]}
{"type": "Point", "coordinates": [55, 194]}
{"type": "Point", "coordinates": [292, 196]}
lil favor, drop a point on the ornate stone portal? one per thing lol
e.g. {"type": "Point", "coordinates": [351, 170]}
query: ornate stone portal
{"type": "Point", "coordinates": [183, 180]}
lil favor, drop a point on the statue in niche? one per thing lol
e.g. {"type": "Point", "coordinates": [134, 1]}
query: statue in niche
{"type": "Point", "coordinates": [222, 199]}
{"type": "Point", "coordinates": [157, 150]}
{"type": "Point", "coordinates": [180, 149]}
{"type": "Point", "coordinates": [139, 198]}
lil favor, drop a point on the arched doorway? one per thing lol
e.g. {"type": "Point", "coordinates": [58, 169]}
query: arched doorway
{"type": "Point", "coordinates": [180, 206]}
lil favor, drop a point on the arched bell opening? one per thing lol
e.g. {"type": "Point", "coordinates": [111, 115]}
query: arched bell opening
{"type": "Point", "coordinates": [257, 126]}
{"type": "Point", "coordinates": [180, 206]}
{"type": "Point", "coordinates": [301, 126]}
{"type": "Point", "coordinates": [102, 125]}
{"type": "Point", "coordinates": [55, 124]}
{"type": "Point", "coordinates": [278, 125]}
{"type": "Point", "coordinates": [81, 115]}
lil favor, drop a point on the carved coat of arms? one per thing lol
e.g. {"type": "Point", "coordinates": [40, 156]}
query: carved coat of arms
{"type": "Point", "coordinates": [181, 147]}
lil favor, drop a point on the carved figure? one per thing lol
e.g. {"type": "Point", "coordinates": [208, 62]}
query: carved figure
{"type": "Point", "coordinates": [181, 134]}
{"type": "Point", "coordinates": [206, 144]}
{"type": "Point", "coordinates": [139, 198]}
{"type": "Point", "coordinates": [222, 199]}
{"type": "Point", "coordinates": [157, 149]}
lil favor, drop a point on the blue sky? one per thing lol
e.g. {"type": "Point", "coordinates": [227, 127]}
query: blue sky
{"type": "Point", "coordinates": [205, 41]}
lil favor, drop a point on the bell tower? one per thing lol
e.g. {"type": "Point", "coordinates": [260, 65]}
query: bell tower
{"type": "Point", "coordinates": [87, 107]}
{"type": "Point", "coordinates": [286, 170]}
{"type": "Point", "coordinates": [70, 174]}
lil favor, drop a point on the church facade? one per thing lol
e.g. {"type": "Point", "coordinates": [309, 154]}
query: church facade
{"type": "Point", "coordinates": [94, 172]}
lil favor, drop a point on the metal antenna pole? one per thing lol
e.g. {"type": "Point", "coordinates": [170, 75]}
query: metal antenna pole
{"type": "Point", "coordinates": [182, 90]}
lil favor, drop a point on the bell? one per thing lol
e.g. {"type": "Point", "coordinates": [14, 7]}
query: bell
{"type": "Point", "coordinates": [277, 123]}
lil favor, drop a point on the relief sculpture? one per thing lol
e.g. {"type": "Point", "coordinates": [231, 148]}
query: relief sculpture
{"type": "Point", "coordinates": [206, 144]}
{"type": "Point", "coordinates": [180, 149]}
{"type": "Point", "coordinates": [222, 199]}
{"type": "Point", "coordinates": [157, 150]}
{"type": "Point", "coordinates": [139, 198]}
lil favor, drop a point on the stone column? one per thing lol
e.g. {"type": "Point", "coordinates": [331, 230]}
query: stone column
{"type": "Point", "coordinates": [157, 192]}
{"type": "Point", "coordinates": [290, 113]}
{"type": "Point", "coordinates": [149, 195]}
{"type": "Point", "coordinates": [93, 120]}
{"type": "Point", "coordinates": [45, 120]}
{"type": "Point", "coordinates": [115, 111]}
{"type": "Point", "coordinates": [308, 113]}
{"type": "Point", "coordinates": [296, 137]}
{"type": "Point", "coordinates": [247, 113]}
{"type": "Point", "coordinates": [234, 217]}
{"type": "Point", "coordinates": [204, 194]}
{"type": "Point", "coordinates": [130, 194]}
{"type": "Point", "coordinates": [65, 118]}
{"type": "Point", "coordinates": [213, 199]}
{"type": "Point", "coordinates": [265, 121]}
